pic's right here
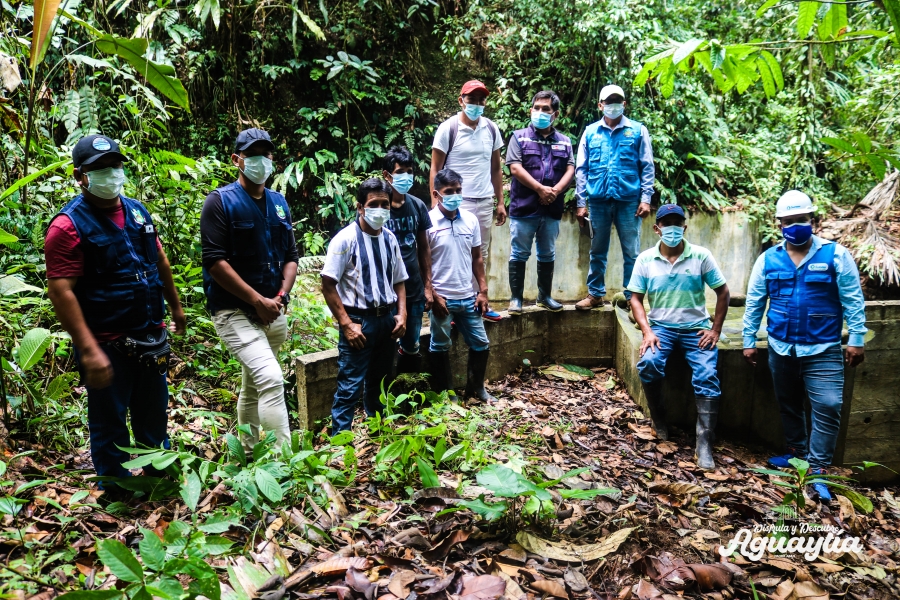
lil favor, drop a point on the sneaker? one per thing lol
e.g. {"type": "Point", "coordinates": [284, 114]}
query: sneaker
{"type": "Point", "coordinates": [492, 315]}
{"type": "Point", "coordinates": [589, 303]}
{"type": "Point", "coordinates": [821, 488]}
{"type": "Point", "coordinates": [783, 461]}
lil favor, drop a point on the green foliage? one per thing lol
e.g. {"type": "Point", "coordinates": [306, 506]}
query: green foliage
{"type": "Point", "coordinates": [796, 480]}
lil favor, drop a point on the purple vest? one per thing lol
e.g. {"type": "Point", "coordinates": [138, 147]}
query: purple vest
{"type": "Point", "coordinates": [545, 159]}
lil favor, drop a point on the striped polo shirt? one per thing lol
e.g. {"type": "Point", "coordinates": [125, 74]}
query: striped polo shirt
{"type": "Point", "coordinates": [675, 291]}
{"type": "Point", "coordinates": [365, 267]}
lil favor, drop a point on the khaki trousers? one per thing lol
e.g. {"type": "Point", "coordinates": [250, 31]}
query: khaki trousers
{"type": "Point", "coordinates": [483, 209]}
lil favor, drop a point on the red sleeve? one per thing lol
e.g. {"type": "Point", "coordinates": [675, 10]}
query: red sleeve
{"type": "Point", "coordinates": [62, 249]}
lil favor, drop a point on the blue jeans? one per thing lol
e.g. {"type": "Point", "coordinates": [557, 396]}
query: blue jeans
{"type": "Point", "coordinates": [821, 377]}
{"type": "Point", "coordinates": [362, 371]}
{"type": "Point", "coordinates": [604, 214]}
{"type": "Point", "coordinates": [469, 323]}
{"type": "Point", "coordinates": [652, 366]}
{"type": "Point", "coordinates": [137, 389]}
{"type": "Point", "coordinates": [541, 229]}
{"type": "Point", "coordinates": [409, 343]}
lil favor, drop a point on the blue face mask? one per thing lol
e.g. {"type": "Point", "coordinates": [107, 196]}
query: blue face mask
{"type": "Point", "coordinates": [451, 201]}
{"type": "Point", "coordinates": [672, 235]}
{"type": "Point", "coordinates": [797, 234]}
{"type": "Point", "coordinates": [402, 182]}
{"type": "Point", "coordinates": [541, 120]}
{"type": "Point", "coordinates": [473, 111]}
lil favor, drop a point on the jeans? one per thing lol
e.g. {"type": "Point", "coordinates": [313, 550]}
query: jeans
{"type": "Point", "coordinates": [604, 214]}
{"type": "Point", "coordinates": [137, 389]}
{"type": "Point", "coordinates": [821, 377]}
{"type": "Point", "coordinates": [360, 372]}
{"type": "Point", "coordinates": [652, 366]}
{"type": "Point", "coordinates": [522, 231]}
{"type": "Point", "coordinates": [409, 343]}
{"type": "Point", "coordinates": [261, 401]}
{"type": "Point", "coordinates": [483, 209]}
{"type": "Point", "coordinates": [469, 323]}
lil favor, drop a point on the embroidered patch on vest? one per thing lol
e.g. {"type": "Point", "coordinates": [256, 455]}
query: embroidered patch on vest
{"type": "Point", "coordinates": [628, 133]}
{"type": "Point", "coordinates": [818, 266]}
{"type": "Point", "coordinates": [137, 216]}
{"type": "Point", "coordinates": [279, 211]}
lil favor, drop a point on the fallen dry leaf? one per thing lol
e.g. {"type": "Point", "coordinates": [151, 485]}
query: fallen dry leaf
{"type": "Point", "coordinates": [400, 582]}
{"type": "Point", "coordinates": [482, 587]}
{"type": "Point", "coordinates": [339, 566]}
{"type": "Point", "coordinates": [679, 488]}
{"type": "Point", "coordinates": [550, 587]}
{"type": "Point", "coordinates": [443, 549]}
{"type": "Point", "coordinates": [570, 552]}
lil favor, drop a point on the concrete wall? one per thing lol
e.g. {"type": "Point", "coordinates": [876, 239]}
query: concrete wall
{"type": "Point", "coordinates": [732, 240]}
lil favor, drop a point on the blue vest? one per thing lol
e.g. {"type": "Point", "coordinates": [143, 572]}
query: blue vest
{"type": "Point", "coordinates": [258, 245]}
{"type": "Point", "coordinates": [545, 159]}
{"type": "Point", "coordinates": [120, 290]}
{"type": "Point", "coordinates": [804, 305]}
{"type": "Point", "coordinates": [612, 167]}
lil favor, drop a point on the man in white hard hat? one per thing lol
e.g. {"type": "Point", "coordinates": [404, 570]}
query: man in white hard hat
{"type": "Point", "coordinates": [614, 176]}
{"type": "Point", "coordinates": [812, 286]}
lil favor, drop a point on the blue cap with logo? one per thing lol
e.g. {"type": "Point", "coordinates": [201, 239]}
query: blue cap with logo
{"type": "Point", "coordinates": [669, 209]}
{"type": "Point", "coordinates": [93, 147]}
{"type": "Point", "coordinates": [251, 136]}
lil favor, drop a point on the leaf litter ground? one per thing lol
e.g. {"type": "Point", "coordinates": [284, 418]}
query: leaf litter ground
{"type": "Point", "coordinates": [657, 536]}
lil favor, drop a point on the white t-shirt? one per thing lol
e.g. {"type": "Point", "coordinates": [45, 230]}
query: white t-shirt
{"type": "Point", "coordinates": [470, 155]}
{"type": "Point", "coordinates": [451, 244]}
{"type": "Point", "coordinates": [366, 267]}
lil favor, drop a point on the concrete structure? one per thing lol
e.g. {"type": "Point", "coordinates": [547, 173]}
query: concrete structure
{"type": "Point", "coordinates": [871, 423]}
{"type": "Point", "coordinates": [733, 241]}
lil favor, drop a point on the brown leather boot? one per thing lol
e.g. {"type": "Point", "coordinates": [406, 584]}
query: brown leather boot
{"type": "Point", "coordinates": [589, 303]}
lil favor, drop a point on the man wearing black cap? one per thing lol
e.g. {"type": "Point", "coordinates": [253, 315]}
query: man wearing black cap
{"type": "Point", "coordinates": [249, 266]}
{"type": "Point", "coordinates": [672, 275]}
{"type": "Point", "coordinates": [107, 278]}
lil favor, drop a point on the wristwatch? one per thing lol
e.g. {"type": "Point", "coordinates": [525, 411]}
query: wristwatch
{"type": "Point", "coordinates": [285, 298]}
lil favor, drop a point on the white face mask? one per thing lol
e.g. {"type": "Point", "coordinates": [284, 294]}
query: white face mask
{"type": "Point", "coordinates": [376, 217]}
{"type": "Point", "coordinates": [257, 168]}
{"type": "Point", "coordinates": [105, 183]}
{"type": "Point", "coordinates": [613, 111]}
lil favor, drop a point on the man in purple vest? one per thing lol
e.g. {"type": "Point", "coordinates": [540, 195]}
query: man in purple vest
{"type": "Point", "coordinates": [542, 165]}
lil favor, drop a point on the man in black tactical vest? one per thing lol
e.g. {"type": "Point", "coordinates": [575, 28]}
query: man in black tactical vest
{"type": "Point", "coordinates": [249, 267]}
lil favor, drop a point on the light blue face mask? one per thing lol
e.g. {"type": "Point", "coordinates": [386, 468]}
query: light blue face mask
{"type": "Point", "coordinates": [672, 235]}
{"type": "Point", "coordinates": [402, 182]}
{"type": "Point", "coordinates": [613, 111]}
{"type": "Point", "coordinates": [541, 120]}
{"type": "Point", "coordinates": [451, 201]}
{"type": "Point", "coordinates": [473, 111]}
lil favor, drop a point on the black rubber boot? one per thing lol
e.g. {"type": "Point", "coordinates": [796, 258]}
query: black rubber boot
{"type": "Point", "coordinates": [545, 287]}
{"type": "Point", "coordinates": [408, 363]}
{"type": "Point", "coordinates": [440, 371]}
{"type": "Point", "coordinates": [475, 381]}
{"type": "Point", "coordinates": [516, 285]}
{"type": "Point", "coordinates": [707, 415]}
{"type": "Point", "coordinates": [653, 393]}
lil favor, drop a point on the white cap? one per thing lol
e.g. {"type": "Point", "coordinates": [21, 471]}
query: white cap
{"type": "Point", "coordinates": [793, 203]}
{"type": "Point", "coordinates": [609, 90]}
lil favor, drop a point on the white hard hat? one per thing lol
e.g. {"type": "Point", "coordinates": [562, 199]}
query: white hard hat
{"type": "Point", "coordinates": [793, 203]}
{"type": "Point", "coordinates": [609, 90]}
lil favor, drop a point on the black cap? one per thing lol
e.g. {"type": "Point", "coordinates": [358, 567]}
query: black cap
{"type": "Point", "coordinates": [669, 209]}
{"type": "Point", "coordinates": [91, 147]}
{"type": "Point", "coordinates": [248, 137]}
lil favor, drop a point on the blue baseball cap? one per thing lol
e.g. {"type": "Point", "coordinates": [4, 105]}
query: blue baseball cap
{"type": "Point", "coordinates": [248, 137]}
{"type": "Point", "coordinates": [669, 209]}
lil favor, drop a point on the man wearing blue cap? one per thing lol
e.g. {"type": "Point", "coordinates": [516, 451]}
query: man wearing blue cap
{"type": "Point", "coordinates": [249, 266]}
{"type": "Point", "coordinates": [812, 286]}
{"type": "Point", "coordinates": [672, 275]}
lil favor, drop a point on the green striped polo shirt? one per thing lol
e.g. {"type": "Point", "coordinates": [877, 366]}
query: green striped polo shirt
{"type": "Point", "coordinates": [675, 291]}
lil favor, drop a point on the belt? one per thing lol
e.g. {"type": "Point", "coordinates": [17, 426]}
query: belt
{"type": "Point", "coordinates": [378, 311]}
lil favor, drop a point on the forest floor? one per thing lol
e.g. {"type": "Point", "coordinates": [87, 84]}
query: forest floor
{"type": "Point", "coordinates": [513, 516]}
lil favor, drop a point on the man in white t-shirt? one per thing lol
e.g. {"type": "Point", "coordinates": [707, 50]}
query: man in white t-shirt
{"type": "Point", "coordinates": [469, 144]}
{"type": "Point", "coordinates": [455, 243]}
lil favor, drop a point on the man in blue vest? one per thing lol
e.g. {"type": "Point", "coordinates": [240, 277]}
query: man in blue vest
{"type": "Point", "coordinates": [614, 176]}
{"type": "Point", "coordinates": [812, 286]}
{"type": "Point", "coordinates": [107, 278]}
{"type": "Point", "coordinates": [249, 267]}
{"type": "Point", "coordinates": [542, 166]}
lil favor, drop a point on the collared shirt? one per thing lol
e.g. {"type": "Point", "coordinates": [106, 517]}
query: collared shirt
{"type": "Point", "coordinates": [648, 170]}
{"type": "Point", "coordinates": [849, 291]}
{"type": "Point", "coordinates": [451, 243]}
{"type": "Point", "coordinates": [675, 290]}
{"type": "Point", "coordinates": [471, 154]}
{"type": "Point", "coordinates": [365, 267]}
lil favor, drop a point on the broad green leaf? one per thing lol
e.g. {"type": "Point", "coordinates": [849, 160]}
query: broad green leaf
{"type": "Point", "coordinates": [801, 465]}
{"type": "Point", "coordinates": [218, 522]}
{"type": "Point", "coordinates": [766, 75]}
{"type": "Point", "coordinates": [826, 24]}
{"type": "Point", "coordinates": [121, 562]}
{"type": "Point", "coordinates": [94, 63]}
{"type": "Point", "coordinates": [453, 452]}
{"type": "Point", "coordinates": [31, 484]}
{"type": "Point", "coordinates": [11, 506]}
{"type": "Point", "coordinates": [216, 544]}
{"type": "Point", "coordinates": [506, 483]}
{"type": "Point", "coordinates": [7, 238]}
{"type": "Point", "coordinates": [235, 450]}
{"type": "Point", "coordinates": [152, 551]}
{"type": "Point", "coordinates": [876, 163]}
{"type": "Point", "coordinates": [78, 497]}
{"type": "Point", "coordinates": [2, 468]}
{"type": "Point", "coordinates": [686, 49]}
{"type": "Point", "coordinates": [167, 588]}
{"type": "Point", "coordinates": [858, 500]}
{"type": "Point", "coordinates": [892, 8]}
{"type": "Point", "coordinates": [10, 284]}
{"type": "Point", "coordinates": [839, 21]}
{"type": "Point", "coordinates": [427, 474]}
{"type": "Point", "coordinates": [60, 386]}
{"type": "Point", "coordinates": [44, 13]}
{"type": "Point", "coordinates": [842, 145]}
{"type": "Point", "coordinates": [162, 77]}
{"type": "Point", "coordinates": [775, 68]}
{"type": "Point", "coordinates": [579, 370]}
{"type": "Point", "coordinates": [29, 178]}
{"type": "Point", "coordinates": [587, 494]}
{"type": "Point", "coordinates": [806, 16]}
{"type": "Point", "coordinates": [644, 74]}
{"type": "Point", "coordinates": [440, 448]}
{"type": "Point", "coordinates": [765, 6]}
{"type": "Point", "coordinates": [32, 347]}
{"type": "Point", "coordinates": [141, 461]}
{"type": "Point", "coordinates": [863, 142]}
{"type": "Point", "coordinates": [310, 24]}
{"type": "Point", "coordinates": [667, 80]}
{"type": "Point", "coordinates": [190, 489]}
{"type": "Point", "coordinates": [268, 485]}
{"type": "Point", "coordinates": [490, 511]}
{"type": "Point", "coordinates": [161, 462]}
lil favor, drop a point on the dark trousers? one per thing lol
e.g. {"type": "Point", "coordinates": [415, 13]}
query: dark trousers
{"type": "Point", "coordinates": [136, 388]}
{"type": "Point", "coordinates": [362, 371]}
